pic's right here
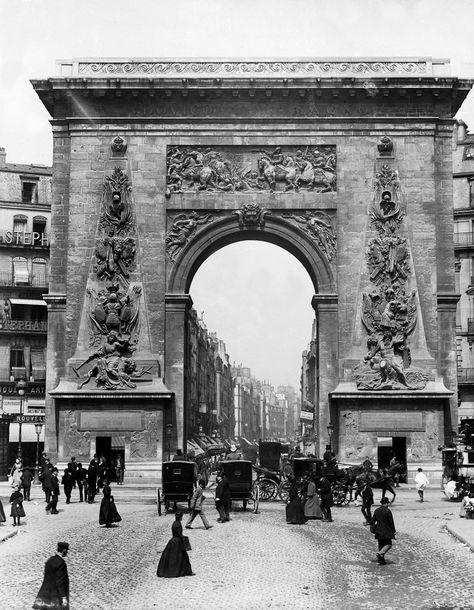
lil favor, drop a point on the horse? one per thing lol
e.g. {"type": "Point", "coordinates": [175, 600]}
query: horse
{"type": "Point", "coordinates": [379, 480]}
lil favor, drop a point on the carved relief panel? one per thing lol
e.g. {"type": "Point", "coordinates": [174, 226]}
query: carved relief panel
{"type": "Point", "coordinates": [243, 169]}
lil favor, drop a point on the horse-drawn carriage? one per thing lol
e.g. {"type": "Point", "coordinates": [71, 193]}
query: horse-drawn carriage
{"type": "Point", "coordinates": [177, 479]}
{"type": "Point", "coordinates": [240, 477]}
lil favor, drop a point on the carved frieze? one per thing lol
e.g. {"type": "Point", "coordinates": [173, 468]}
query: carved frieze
{"type": "Point", "coordinates": [251, 68]}
{"type": "Point", "coordinates": [76, 443]}
{"type": "Point", "coordinates": [319, 227]}
{"type": "Point", "coordinates": [242, 169]}
{"type": "Point", "coordinates": [251, 216]}
{"type": "Point", "coordinates": [183, 227]}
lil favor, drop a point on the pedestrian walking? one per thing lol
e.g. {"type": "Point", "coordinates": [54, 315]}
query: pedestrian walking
{"type": "Point", "coordinates": [367, 495]}
{"type": "Point", "coordinates": [92, 480]}
{"type": "Point", "coordinates": [422, 483]}
{"type": "Point", "coordinates": [196, 505]}
{"type": "Point", "coordinates": [47, 483]}
{"type": "Point", "coordinates": [67, 482]}
{"type": "Point", "coordinates": [327, 500]}
{"type": "Point", "coordinates": [73, 468]}
{"type": "Point", "coordinates": [384, 529]}
{"type": "Point", "coordinates": [17, 511]}
{"type": "Point", "coordinates": [223, 498]}
{"type": "Point", "coordinates": [119, 469]}
{"type": "Point", "coordinates": [174, 560]}
{"type": "Point", "coordinates": [108, 512]}
{"type": "Point", "coordinates": [52, 505]}
{"type": "Point", "coordinates": [294, 509]}
{"type": "Point", "coordinates": [312, 505]}
{"type": "Point", "coordinates": [15, 473]}
{"type": "Point", "coordinates": [81, 480]}
{"type": "Point", "coordinates": [54, 591]}
{"type": "Point", "coordinates": [26, 480]}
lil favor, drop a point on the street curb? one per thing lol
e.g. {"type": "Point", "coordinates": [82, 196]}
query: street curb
{"type": "Point", "coordinates": [8, 536]}
{"type": "Point", "coordinates": [459, 537]}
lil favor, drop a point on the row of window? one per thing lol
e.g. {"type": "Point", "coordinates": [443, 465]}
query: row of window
{"type": "Point", "coordinates": [20, 271]}
{"type": "Point", "coordinates": [27, 363]}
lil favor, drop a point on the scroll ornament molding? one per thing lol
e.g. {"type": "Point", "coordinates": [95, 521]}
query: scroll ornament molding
{"type": "Point", "coordinates": [183, 228]}
{"type": "Point", "coordinates": [319, 227]}
{"type": "Point", "coordinates": [195, 169]}
{"type": "Point", "coordinates": [389, 312]}
{"type": "Point", "coordinates": [258, 68]}
{"type": "Point", "coordinates": [251, 216]}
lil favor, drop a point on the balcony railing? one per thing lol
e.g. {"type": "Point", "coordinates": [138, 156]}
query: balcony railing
{"type": "Point", "coordinates": [25, 326]}
{"type": "Point", "coordinates": [9, 279]}
{"type": "Point", "coordinates": [466, 374]}
{"type": "Point", "coordinates": [464, 239]}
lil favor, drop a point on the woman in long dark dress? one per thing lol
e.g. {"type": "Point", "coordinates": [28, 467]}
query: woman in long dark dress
{"type": "Point", "coordinates": [108, 513]}
{"type": "Point", "coordinates": [295, 508]}
{"type": "Point", "coordinates": [17, 510]}
{"type": "Point", "coordinates": [174, 560]}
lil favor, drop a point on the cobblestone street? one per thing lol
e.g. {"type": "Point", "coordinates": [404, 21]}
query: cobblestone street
{"type": "Point", "coordinates": [255, 561]}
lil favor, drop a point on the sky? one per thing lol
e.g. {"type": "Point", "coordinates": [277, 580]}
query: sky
{"type": "Point", "coordinates": [260, 305]}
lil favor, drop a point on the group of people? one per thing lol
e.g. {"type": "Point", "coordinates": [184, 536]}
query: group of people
{"type": "Point", "coordinates": [313, 501]}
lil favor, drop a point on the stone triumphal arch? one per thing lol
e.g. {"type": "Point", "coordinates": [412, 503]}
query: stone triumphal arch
{"type": "Point", "coordinates": [344, 163]}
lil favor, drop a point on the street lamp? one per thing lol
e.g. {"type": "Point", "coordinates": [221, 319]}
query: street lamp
{"type": "Point", "coordinates": [169, 432]}
{"type": "Point", "coordinates": [38, 428]}
{"type": "Point", "coordinates": [20, 387]}
{"type": "Point", "coordinates": [330, 429]}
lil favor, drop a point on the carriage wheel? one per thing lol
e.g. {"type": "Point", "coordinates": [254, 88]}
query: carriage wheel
{"type": "Point", "coordinates": [256, 499]}
{"type": "Point", "coordinates": [158, 501]}
{"type": "Point", "coordinates": [284, 491]}
{"type": "Point", "coordinates": [267, 488]}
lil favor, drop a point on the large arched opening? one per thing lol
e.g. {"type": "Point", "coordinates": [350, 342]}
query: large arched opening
{"type": "Point", "coordinates": [321, 302]}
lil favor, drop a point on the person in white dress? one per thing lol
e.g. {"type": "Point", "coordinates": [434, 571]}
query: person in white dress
{"type": "Point", "coordinates": [422, 483]}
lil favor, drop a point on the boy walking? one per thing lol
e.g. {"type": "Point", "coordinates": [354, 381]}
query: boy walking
{"type": "Point", "coordinates": [197, 508]}
{"type": "Point", "coordinates": [422, 483]}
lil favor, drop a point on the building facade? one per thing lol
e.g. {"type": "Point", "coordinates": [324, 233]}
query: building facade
{"type": "Point", "coordinates": [463, 192]}
{"type": "Point", "coordinates": [346, 164]}
{"type": "Point", "coordinates": [25, 215]}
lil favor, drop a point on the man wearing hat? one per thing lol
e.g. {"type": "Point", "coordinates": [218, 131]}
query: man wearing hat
{"type": "Point", "coordinates": [54, 592]}
{"type": "Point", "coordinates": [233, 454]}
{"type": "Point", "coordinates": [384, 529]}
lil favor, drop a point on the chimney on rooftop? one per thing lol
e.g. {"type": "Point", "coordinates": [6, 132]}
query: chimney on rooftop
{"type": "Point", "coordinates": [3, 157]}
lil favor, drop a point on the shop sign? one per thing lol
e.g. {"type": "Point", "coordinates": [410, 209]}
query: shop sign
{"type": "Point", "coordinates": [306, 416]}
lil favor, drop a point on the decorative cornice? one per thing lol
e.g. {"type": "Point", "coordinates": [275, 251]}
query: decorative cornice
{"type": "Point", "coordinates": [182, 69]}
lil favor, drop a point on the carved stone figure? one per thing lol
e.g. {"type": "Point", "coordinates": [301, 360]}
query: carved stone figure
{"type": "Point", "coordinates": [385, 145]}
{"type": "Point", "coordinates": [320, 228]}
{"type": "Point", "coordinates": [251, 216]}
{"type": "Point", "coordinates": [143, 443]}
{"type": "Point", "coordinates": [240, 169]}
{"type": "Point", "coordinates": [119, 146]}
{"type": "Point", "coordinates": [75, 442]}
{"type": "Point", "coordinates": [113, 310]}
{"type": "Point", "coordinates": [117, 209]}
{"type": "Point", "coordinates": [387, 365]}
{"type": "Point", "coordinates": [115, 256]}
{"type": "Point", "coordinates": [386, 214]}
{"type": "Point", "coordinates": [184, 226]}
{"type": "Point", "coordinates": [387, 259]}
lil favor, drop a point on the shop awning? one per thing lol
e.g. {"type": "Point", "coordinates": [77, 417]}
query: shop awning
{"type": "Point", "coordinates": [37, 302]}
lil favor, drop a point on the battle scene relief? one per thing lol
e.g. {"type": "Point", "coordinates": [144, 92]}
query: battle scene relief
{"type": "Point", "coordinates": [246, 169]}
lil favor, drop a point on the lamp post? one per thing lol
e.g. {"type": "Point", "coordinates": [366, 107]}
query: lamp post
{"type": "Point", "coordinates": [330, 429]}
{"type": "Point", "coordinates": [20, 387]}
{"type": "Point", "coordinates": [169, 432]}
{"type": "Point", "coordinates": [38, 428]}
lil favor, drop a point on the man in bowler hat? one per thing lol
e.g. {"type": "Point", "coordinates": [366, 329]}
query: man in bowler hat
{"type": "Point", "coordinates": [54, 592]}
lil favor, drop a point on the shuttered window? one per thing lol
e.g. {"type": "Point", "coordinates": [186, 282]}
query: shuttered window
{"type": "Point", "coordinates": [38, 364]}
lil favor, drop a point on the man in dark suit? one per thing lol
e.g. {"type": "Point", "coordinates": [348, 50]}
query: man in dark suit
{"type": "Point", "coordinates": [54, 592]}
{"type": "Point", "coordinates": [53, 503]}
{"type": "Point", "coordinates": [384, 529]}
